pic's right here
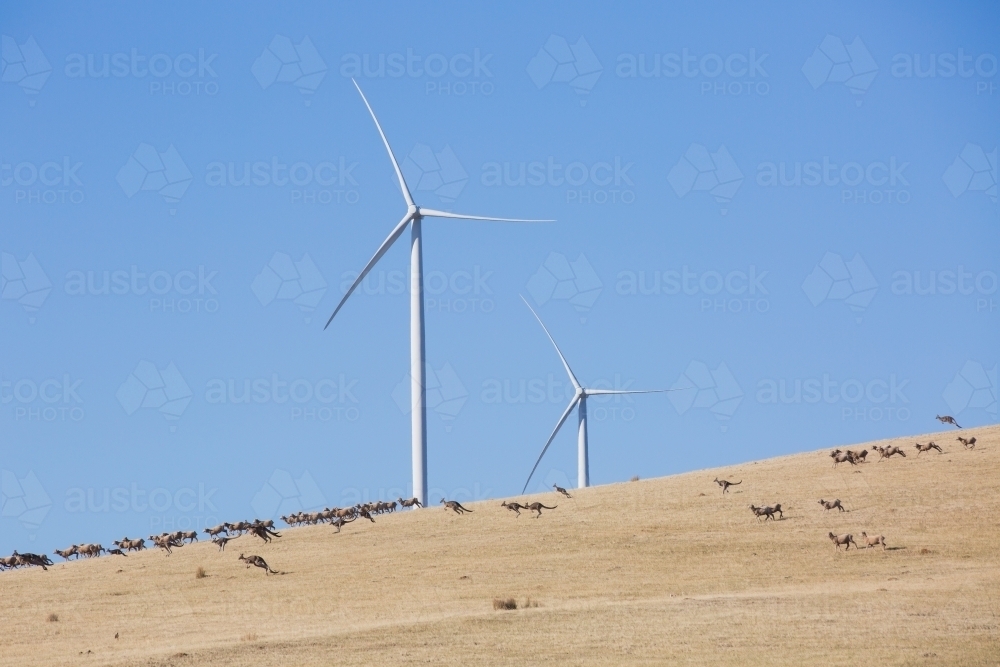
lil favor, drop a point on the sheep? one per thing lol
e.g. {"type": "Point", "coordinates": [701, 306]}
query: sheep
{"type": "Point", "coordinates": [409, 503]}
{"type": "Point", "coordinates": [843, 457]}
{"type": "Point", "coordinates": [926, 448]}
{"type": "Point", "coordinates": [827, 505]}
{"type": "Point", "coordinates": [66, 553]}
{"type": "Point", "coordinates": [846, 540]}
{"type": "Point", "coordinates": [767, 512]}
{"type": "Point", "coordinates": [889, 452]}
{"type": "Point", "coordinates": [872, 541]}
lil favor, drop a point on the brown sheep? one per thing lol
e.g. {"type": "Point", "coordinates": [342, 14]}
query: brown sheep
{"type": "Point", "coordinates": [828, 505]}
{"type": "Point", "coordinates": [872, 541]}
{"type": "Point", "coordinates": [846, 540]}
{"type": "Point", "coordinates": [926, 448]}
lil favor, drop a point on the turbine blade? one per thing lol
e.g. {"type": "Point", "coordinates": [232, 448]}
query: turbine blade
{"type": "Point", "coordinates": [562, 420]}
{"type": "Point", "coordinates": [592, 392]}
{"type": "Point", "coordinates": [395, 165]}
{"type": "Point", "coordinates": [371, 263]}
{"type": "Point", "coordinates": [431, 213]}
{"type": "Point", "coordinates": [576, 383]}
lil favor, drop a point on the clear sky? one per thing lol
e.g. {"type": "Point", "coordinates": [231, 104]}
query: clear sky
{"type": "Point", "coordinates": [787, 211]}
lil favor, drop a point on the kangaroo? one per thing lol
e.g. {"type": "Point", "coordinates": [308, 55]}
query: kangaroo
{"type": "Point", "coordinates": [340, 523]}
{"type": "Point", "coordinates": [947, 419]}
{"type": "Point", "coordinates": [830, 505]}
{"type": "Point", "coordinates": [561, 490]}
{"type": "Point", "coordinates": [454, 505]}
{"type": "Point", "coordinates": [263, 532]}
{"type": "Point", "coordinates": [409, 503]}
{"type": "Point", "coordinates": [926, 448]}
{"type": "Point", "coordinates": [846, 540]}
{"type": "Point", "coordinates": [873, 541]}
{"type": "Point", "coordinates": [968, 444]}
{"type": "Point", "coordinates": [33, 559]}
{"type": "Point", "coordinates": [221, 541]}
{"type": "Point", "coordinates": [116, 552]}
{"type": "Point", "coordinates": [257, 561]}
{"type": "Point", "coordinates": [514, 507]}
{"type": "Point", "coordinates": [66, 553]}
{"type": "Point", "coordinates": [538, 507]}
{"type": "Point", "coordinates": [725, 484]}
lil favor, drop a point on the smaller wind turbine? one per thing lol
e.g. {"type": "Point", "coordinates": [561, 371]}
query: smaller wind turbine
{"type": "Point", "coordinates": [579, 397]}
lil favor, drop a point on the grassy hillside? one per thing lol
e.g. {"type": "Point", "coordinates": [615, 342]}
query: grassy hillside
{"type": "Point", "coordinates": [660, 571]}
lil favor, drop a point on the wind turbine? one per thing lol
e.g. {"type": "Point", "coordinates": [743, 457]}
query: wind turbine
{"type": "Point", "coordinates": [418, 393]}
{"type": "Point", "coordinates": [580, 395]}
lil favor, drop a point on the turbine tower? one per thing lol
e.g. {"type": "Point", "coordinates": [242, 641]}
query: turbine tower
{"type": "Point", "coordinates": [418, 393]}
{"type": "Point", "coordinates": [580, 395]}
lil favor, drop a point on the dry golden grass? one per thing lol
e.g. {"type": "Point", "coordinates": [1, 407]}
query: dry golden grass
{"type": "Point", "coordinates": [660, 571]}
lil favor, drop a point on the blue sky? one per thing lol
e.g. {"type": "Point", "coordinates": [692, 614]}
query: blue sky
{"type": "Point", "coordinates": [852, 302]}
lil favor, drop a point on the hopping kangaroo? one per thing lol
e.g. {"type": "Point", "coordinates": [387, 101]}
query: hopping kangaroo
{"type": "Point", "coordinates": [561, 490]}
{"type": "Point", "coordinates": [947, 419]}
{"type": "Point", "coordinates": [454, 505]}
{"type": "Point", "coordinates": [514, 507]}
{"type": "Point", "coordinates": [725, 484]}
{"type": "Point", "coordinates": [257, 561]}
{"type": "Point", "coordinates": [538, 507]}
{"type": "Point", "coordinates": [926, 448]}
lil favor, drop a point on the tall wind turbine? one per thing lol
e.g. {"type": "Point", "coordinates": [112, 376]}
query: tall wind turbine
{"type": "Point", "coordinates": [580, 395]}
{"type": "Point", "coordinates": [418, 392]}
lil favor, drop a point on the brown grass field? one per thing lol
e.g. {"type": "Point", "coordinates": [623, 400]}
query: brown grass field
{"type": "Point", "coordinates": [659, 571]}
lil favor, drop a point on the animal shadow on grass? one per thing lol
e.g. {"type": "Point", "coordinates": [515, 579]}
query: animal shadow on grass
{"type": "Point", "coordinates": [895, 548]}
